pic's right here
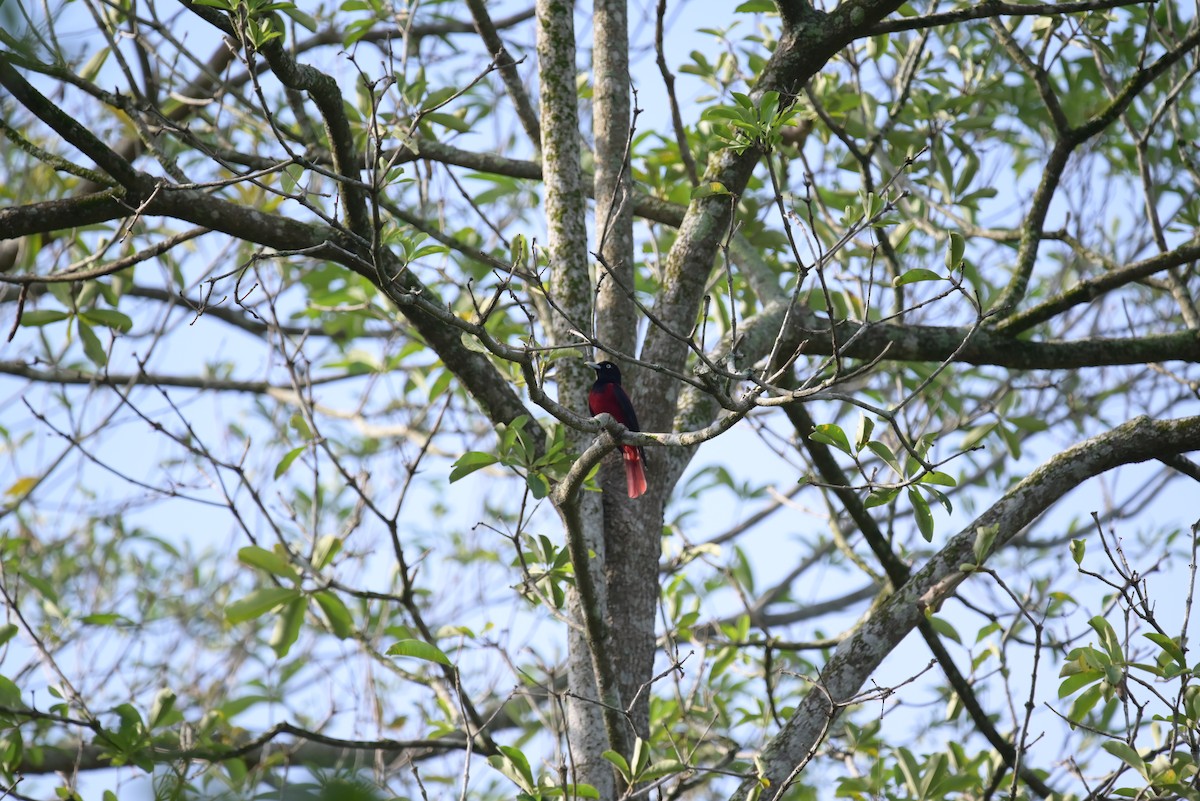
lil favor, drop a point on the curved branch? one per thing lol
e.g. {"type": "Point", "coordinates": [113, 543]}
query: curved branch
{"type": "Point", "coordinates": [857, 657]}
{"type": "Point", "coordinates": [69, 128]}
{"type": "Point", "coordinates": [994, 8]}
{"type": "Point", "coordinates": [507, 65]}
{"type": "Point", "coordinates": [417, 302]}
{"type": "Point", "coordinates": [565, 210]}
{"type": "Point", "coordinates": [69, 376]}
{"type": "Point", "coordinates": [899, 574]}
{"type": "Point", "coordinates": [806, 46]}
{"type": "Point", "coordinates": [309, 748]}
{"type": "Point", "coordinates": [204, 308]}
{"type": "Point", "coordinates": [55, 215]}
{"type": "Point", "coordinates": [925, 343]}
{"type": "Point", "coordinates": [81, 274]}
{"type": "Point", "coordinates": [1091, 288]}
{"type": "Point", "coordinates": [1069, 140]}
{"type": "Point", "coordinates": [335, 36]}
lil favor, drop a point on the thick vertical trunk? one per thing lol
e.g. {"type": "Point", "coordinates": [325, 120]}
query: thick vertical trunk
{"type": "Point", "coordinates": [566, 209]}
{"type": "Point", "coordinates": [631, 527]}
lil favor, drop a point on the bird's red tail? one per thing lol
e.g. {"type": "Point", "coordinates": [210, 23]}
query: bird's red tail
{"type": "Point", "coordinates": [635, 473]}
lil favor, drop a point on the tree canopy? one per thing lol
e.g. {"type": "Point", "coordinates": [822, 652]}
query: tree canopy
{"type": "Point", "coordinates": [302, 494]}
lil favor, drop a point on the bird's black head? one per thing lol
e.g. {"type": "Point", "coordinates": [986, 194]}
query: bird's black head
{"type": "Point", "coordinates": [606, 372]}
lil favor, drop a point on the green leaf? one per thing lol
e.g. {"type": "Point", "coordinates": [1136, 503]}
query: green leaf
{"type": "Point", "coordinates": [721, 113]}
{"type": "Point", "coordinates": [472, 343]}
{"type": "Point", "coordinates": [939, 478]}
{"type": "Point", "coordinates": [941, 498]}
{"type": "Point", "coordinates": [833, 435]}
{"type": "Point", "coordinates": [922, 513]}
{"type": "Point", "coordinates": [44, 588]}
{"type": "Point", "coordinates": [641, 757]}
{"type": "Point", "coordinates": [104, 619]}
{"type": "Point", "coordinates": [1108, 638]}
{"type": "Point", "coordinates": [92, 347]}
{"type": "Point", "coordinates": [954, 253]}
{"type": "Point", "coordinates": [1085, 703]}
{"type": "Point", "coordinates": [287, 627]}
{"type": "Point", "coordinates": [289, 178]}
{"type": "Point", "coordinates": [943, 627]}
{"type": "Point", "coordinates": [1029, 423]}
{"type": "Point", "coordinates": [975, 435]}
{"type": "Point", "coordinates": [428, 250]}
{"type": "Point", "coordinates": [351, 34]}
{"type": "Point", "coordinates": [7, 632]}
{"type": "Point", "coordinates": [1169, 646]}
{"type": "Point", "coordinates": [108, 317]}
{"type": "Point", "coordinates": [1076, 682]}
{"type": "Point", "coordinates": [439, 97]}
{"type": "Point", "coordinates": [419, 649]}
{"type": "Point", "coordinates": [663, 767]}
{"type": "Point", "coordinates": [885, 453]}
{"type": "Point", "coordinates": [273, 562]}
{"type": "Point", "coordinates": [521, 764]}
{"type": "Point", "coordinates": [287, 460]}
{"type": "Point", "coordinates": [336, 614]}
{"type": "Point", "coordinates": [10, 694]}
{"type": "Point", "coordinates": [755, 7]}
{"type": "Point", "coordinates": [880, 497]}
{"type": "Point", "coordinates": [451, 121]}
{"type": "Point", "coordinates": [1011, 441]}
{"type": "Point", "coordinates": [469, 462]}
{"type": "Point", "coordinates": [519, 251]}
{"type": "Point", "coordinates": [42, 317]}
{"type": "Point", "coordinates": [863, 435]}
{"type": "Point", "coordinates": [1126, 753]}
{"type": "Point", "coordinates": [915, 276]}
{"type": "Point", "coordinates": [258, 603]}
{"type": "Point", "coordinates": [571, 791]}
{"type": "Point", "coordinates": [505, 765]}
{"type": "Point", "coordinates": [1078, 548]}
{"type": "Point", "coordinates": [620, 763]}
{"type": "Point", "coordinates": [164, 703]}
{"type": "Point", "coordinates": [304, 20]}
{"type": "Point", "coordinates": [985, 537]}
{"type": "Point", "coordinates": [91, 68]}
{"type": "Point", "coordinates": [539, 486]}
{"type": "Point", "coordinates": [299, 424]}
{"type": "Point", "coordinates": [327, 547]}
{"type": "Point", "coordinates": [131, 719]}
{"type": "Point", "coordinates": [22, 486]}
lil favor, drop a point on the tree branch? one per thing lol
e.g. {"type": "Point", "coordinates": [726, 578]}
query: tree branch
{"type": "Point", "coordinates": [68, 377]}
{"type": "Point", "coordinates": [858, 656]}
{"type": "Point", "coordinates": [985, 346]}
{"type": "Point", "coordinates": [70, 129]}
{"type": "Point", "coordinates": [994, 8]}
{"type": "Point", "coordinates": [1091, 288]}
{"type": "Point", "coordinates": [507, 65]}
{"type": "Point", "coordinates": [899, 574]}
{"type": "Point", "coordinates": [803, 50]}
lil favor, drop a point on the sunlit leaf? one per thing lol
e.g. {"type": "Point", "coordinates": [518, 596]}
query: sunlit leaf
{"type": "Point", "coordinates": [419, 649]}
{"type": "Point", "coordinates": [258, 603]}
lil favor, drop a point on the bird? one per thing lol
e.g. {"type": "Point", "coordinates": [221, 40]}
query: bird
{"type": "Point", "coordinates": [607, 396]}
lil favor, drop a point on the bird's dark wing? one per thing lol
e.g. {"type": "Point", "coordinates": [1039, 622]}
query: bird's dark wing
{"type": "Point", "coordinates": [628, 416]}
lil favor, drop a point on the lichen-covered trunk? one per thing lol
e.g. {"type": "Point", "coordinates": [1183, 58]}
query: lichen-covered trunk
{"type": "Point", "coordinates": [632, 543]}
{"type": "Point", "coordinates": [566, 246]}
